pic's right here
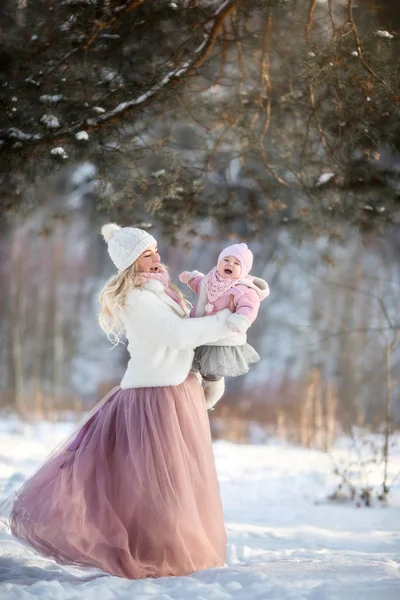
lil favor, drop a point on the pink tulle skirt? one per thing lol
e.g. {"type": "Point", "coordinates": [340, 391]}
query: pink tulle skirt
{"type": "Point", "coordinates": [134, 492]}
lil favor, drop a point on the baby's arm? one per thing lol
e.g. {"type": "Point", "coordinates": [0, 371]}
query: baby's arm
{"type": "Point", "coordinates": [193, 280]}
{"type": "Point", "coordinates": [247, 307]}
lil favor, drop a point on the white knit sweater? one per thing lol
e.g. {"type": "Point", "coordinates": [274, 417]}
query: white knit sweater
{"type": "Point", "coordinates": [162, 338]}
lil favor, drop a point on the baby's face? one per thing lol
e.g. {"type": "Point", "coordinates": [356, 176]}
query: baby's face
{"type": "Point", "coordinates": [230, 268]}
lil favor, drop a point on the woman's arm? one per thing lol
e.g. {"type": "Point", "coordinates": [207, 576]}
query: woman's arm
{"type": "Point", "coordinates": [149, 316]}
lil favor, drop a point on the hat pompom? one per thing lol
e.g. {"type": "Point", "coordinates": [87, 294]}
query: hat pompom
{"type": "Point", "coordinates": [108, 230]}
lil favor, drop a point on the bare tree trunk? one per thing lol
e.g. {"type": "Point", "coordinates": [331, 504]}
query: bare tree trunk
{"type": "Point", "coordinates": [359, 340]}
{"type": "Point", "coordinates": [38, 358]}
{"type": "Point", "coordinates": [330, 415]}
{"type": "Point", "coordinates": [347, 387]}
{"type": "Point", "coordinates": [21, 12]}
{"type": "Point", "coordinates": [281, 425]}
{"type": "Point", "coordinates": [16, 324]}
{"type": "Point", "coordinates": [318, 414]}
{"type": "Point", "coordinates": [306, 414]}
{"type": "Point", "coordinates": [388, 419]}
{"type": "Point", "coordinates": [58, 341]}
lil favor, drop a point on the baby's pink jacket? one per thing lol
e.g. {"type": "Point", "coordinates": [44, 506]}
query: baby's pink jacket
{"type": "Point", "coordinates": [247, 296]}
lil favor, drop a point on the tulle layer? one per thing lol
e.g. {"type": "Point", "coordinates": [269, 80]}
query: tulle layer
{"type": "Point", "coordinates": [135, 493]}
{"type": "Point", "coordinates": [224, 361]}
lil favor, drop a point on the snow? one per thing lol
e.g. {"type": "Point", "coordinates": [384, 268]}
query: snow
{"type": "Point", "coordinates": [68, 23]}
{"type": "Point", "coordinates": [110, 36]}
{"type": "Point", "coordinates": [384, 34]}
{"type": "Point", "coordinates": [32, 81]}
{"type": "Point", "coordinates": [55, 99]}
{"type": "Point", "coordinates": [108, 75]}
{"type": "Point", "coordinates": [77, 2]}
{"type": "Point", "coordinates": [354, 53]}
{"type": "Point", "coordinates": [99, 110]}
{"type": "Point", "coordinates": [83, 174]}
{"type": "Point", "coordinates": [50, 121]}
{"type": "Point", "coordinates": [82, 136]}
{"type": "Point", "coordinates": [324, 178]}
{"type": "Point", "coordinates": [13, 132]}
{"type": "Point", "coordinates": [59, 151]}
{"type": "Point", "coordinates": [285, 541]}
{"type": "Point", "coordinates": [159, 173]}
{"type": "Point", "coordinates": [82, 182]}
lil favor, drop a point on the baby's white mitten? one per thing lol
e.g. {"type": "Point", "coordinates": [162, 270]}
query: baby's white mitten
{"type": "Point", "coordinates": [184, 276]}
{"type": "Point", "coordinates": [187, 276]}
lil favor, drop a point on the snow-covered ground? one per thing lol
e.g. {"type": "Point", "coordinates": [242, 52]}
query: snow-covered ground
{"type": "Point", "coordinates": [285, 541]}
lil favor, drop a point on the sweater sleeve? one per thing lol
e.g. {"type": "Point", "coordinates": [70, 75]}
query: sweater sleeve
{"type": "Point", "coordinates": [150, 317]}
{"type": "Point", "coordinates": [195, 282]}
{"type": "Point", "coordinates": [248, 305]}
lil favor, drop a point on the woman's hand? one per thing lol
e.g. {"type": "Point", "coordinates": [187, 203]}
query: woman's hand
{"type": "Point", "coordinates": [232, 306]}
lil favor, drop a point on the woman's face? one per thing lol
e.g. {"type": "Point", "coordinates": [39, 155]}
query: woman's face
{"type": "Point", "coordinates": [149, 261]}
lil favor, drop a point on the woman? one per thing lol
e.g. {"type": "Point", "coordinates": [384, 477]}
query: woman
{"type": "Point", "coordinates": [135, 493]}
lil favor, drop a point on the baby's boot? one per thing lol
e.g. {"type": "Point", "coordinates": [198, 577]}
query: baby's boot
{"type": "Point", "coordinates": [213, 391]}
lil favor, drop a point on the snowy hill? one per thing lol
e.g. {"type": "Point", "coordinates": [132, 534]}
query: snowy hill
{"type": "Point", "coordinates": [284, 540]}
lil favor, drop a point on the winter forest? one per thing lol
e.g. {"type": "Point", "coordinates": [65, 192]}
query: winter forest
{"type": "Point", "coordinates": [206, 123]}
{"type": "Point", "coordinates": [272, 122]}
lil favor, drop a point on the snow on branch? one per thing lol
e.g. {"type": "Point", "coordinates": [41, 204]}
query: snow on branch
{"type": "Point", "coordinates": [59, 152]}
{"type": "Point", "coordinates": [50, 121]}
{"type": "Point", "coordinates": [55, 99]}
{"type": "Point", "coordinates": [324, 178]}
{"type": "Point", "coordinates": [82, 136]}
{"type": "Point", "coordinates": [17, 134]}
{"type": "Point", "coordinates": [384, 34]}
{"type": "Point", "coordinates": [201, 52]}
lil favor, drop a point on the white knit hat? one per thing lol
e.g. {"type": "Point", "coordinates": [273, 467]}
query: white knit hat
{"type": "Point", "coordinates": [126, 244]}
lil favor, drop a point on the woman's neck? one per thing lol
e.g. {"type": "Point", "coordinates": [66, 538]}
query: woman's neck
{"type": "Point", "coordinates": [163, 278]}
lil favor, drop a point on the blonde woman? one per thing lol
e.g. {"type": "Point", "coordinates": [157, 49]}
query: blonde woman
{"type": "Point", "coordinates": [135, 492]}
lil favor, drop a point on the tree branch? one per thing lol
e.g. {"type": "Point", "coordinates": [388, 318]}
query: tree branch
{"type": "Point", "coordinates": [358, 44]}
{"type": "Point", "coordinates": [310, 20]}
{"type": "Point", "coordinates": [170, 79]}
{"type": "Point", "coordinates": [265, 79]}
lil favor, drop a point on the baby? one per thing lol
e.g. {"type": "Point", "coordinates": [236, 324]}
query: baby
{"type": "Point", "coordinates": [228, 285]}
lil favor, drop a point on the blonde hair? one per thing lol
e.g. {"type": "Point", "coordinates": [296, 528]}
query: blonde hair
{"type": "Point", "coordinates": [113, 299]}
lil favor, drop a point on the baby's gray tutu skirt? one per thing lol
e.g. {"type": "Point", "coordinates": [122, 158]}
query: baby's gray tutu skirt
{"type": "Point", "coordinates": [224, 361]}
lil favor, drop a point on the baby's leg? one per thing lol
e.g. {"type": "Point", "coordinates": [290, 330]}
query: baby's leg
{"type": "Point", "coordinates": [214, 388]}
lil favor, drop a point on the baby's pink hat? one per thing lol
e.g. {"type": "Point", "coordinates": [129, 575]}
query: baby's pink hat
{"type": "Point", "coordinates": [242, 252]}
